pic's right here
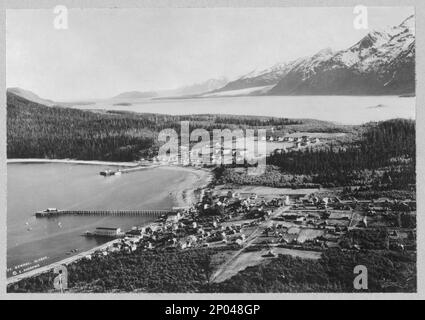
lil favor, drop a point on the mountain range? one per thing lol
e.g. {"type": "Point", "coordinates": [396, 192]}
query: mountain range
{"type": "Point", "coordinates": [195, 89]}
{"type": "Point", "coordinates": [128, 96]}
{"type": "Point", "coordinates": [382, 62]}
{"type": "Point", "coordinates": [134, 95]}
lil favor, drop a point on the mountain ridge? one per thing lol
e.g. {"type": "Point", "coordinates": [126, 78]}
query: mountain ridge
{"type": "Point", "coordinates": [31, 96]}
{"type": "Point", "coordinates": [382, 62]}
{"type": "Point", "coordinates": [135, 95]}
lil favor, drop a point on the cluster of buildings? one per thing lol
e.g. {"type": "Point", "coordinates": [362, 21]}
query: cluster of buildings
{"type": "Point", "coordinates": [303, 222]}
{"type": "Point", "coordinates": [303, 140]}
{"type": "Point", "coordinates": [321, 222]}
{"type": "Point", "coordinates": [198, 226]}
{"type": "Point", "coordinates": [215, 154]}
{"type": "Point", "coordinates": [293, 143]}
{"type": "Point", "coordinates": [233, 204]}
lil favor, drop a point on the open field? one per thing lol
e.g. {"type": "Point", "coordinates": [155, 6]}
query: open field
{"type": "Point", "coordinates": [309, 234]}
{"type": "Point", "coordinates": [253, 258]}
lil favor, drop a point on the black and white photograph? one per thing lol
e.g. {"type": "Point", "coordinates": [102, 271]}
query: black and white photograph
{"type": "Point", "coordinates": [211, 150]}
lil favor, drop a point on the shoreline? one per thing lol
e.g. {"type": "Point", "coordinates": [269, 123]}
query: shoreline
{"type": "Point", "coordinates": [73, 161]}
{"type": "Point", "coordinates": [36, 271]}
{"type": "Point", "coordinates": [185, 196]}
{"type": "Point", "coordinates": [197, 179]}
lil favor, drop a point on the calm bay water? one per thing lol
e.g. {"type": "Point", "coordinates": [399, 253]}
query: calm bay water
{"type": "Point", "coordinates": [33, 187]}
{"type": "Point", "coordinates": [340, 109]}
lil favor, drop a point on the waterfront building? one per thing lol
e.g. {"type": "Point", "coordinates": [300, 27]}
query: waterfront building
{"type": "Point", "coordinates": [107, 232]}
{"type": "Point", "coordinates": [173, 217]}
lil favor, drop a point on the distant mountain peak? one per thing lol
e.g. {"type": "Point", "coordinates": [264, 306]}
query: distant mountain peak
{"type": "Point", "coordinates": [135, 95]}
{"type": "Point", "coordinates": [382, 62]}
{"type": "Point", "coordinates": [409, 22]}
{"type": "Point", "coordinates": [198, 88]}
{"type": "Point", "coordinates": [324, 52]}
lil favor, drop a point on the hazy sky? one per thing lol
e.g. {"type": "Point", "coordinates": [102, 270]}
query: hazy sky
{"type": "Point", "coordinates": [108, 51]}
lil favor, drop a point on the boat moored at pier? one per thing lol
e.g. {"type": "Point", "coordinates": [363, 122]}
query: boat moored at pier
{"type": "Point", "coordinates": [49, 212]}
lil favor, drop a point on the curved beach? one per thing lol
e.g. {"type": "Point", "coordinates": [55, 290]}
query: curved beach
{"type": "Point", "coordinates": [72, 161]}
{"type": "Point", "coordinates": [185, 194]}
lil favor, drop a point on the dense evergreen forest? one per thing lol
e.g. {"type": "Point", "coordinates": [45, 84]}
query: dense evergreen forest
{"type": "Point", "coordinates": [383, 156]}
{"type": "Point", "coordinates": [333, 272]}
{"type": "Point", "coordinates": [382, 145]}
{"type": "Point", "coordinates": [188, 271]}
{"type": "Point", "coordinates": [156, 271]}
{"type": "Point", "coordinates": [242, 121]}
{"type": "Point", "coordinates": [388, 146]}
{"type": "Point", "coordinates": [38, 131]}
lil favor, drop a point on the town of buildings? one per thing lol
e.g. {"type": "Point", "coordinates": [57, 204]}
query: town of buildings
{"type": "Point", "coordinates": [271, 224]}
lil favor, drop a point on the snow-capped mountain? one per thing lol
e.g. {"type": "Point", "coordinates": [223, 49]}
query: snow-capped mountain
{"type": "Point", "coordinates": [132, 95]}
{"type": "Point", "coordinates": [259, 78]}
{"type": "Point", "coordinates": [206, 86]}
{"type": "Point", "coordinates": [194, 89]}
{"type": "Point", "coordinates": [382, 62]}
{"type": "Point", "coordinates": [378, 48]}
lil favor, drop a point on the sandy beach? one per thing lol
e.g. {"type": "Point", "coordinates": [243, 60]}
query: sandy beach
{"type": "Point", "coordinates": [93, 162]}
{"type": "Point", "coordinates": [185, 194]}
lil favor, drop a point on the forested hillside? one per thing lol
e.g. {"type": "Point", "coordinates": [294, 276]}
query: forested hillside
{"type": "Point", "coordinates": [388, 146]}
{"type": "Point", "coordinates": [187, 271]}
{"type": "Point", "coordinates": [37, 131]}
{"type": "Point", "coordinates": [389, 272]}
{"type": "Point", "coordinates": [384, 156]}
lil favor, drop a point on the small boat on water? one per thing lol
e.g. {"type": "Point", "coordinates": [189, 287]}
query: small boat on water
{"type": "Point", "coordinates": [88, 234]}
{"type": "Point", "coordinates": [109, 172]}
{"type": "Point", "coordinates": [71, 252]}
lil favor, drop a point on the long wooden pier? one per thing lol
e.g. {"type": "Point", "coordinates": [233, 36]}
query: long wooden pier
{"type": "Point", "coordinates": [121, 213]}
